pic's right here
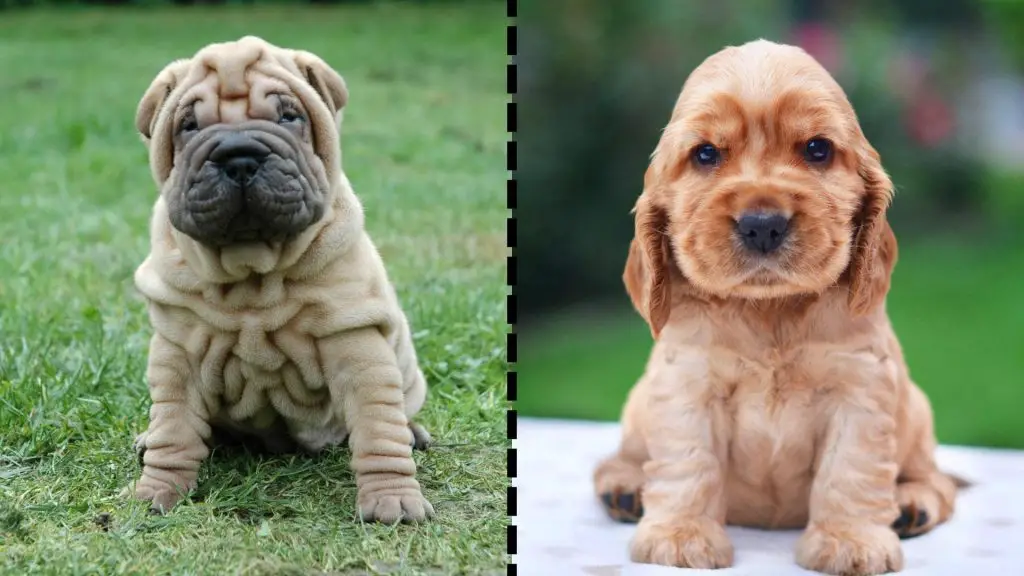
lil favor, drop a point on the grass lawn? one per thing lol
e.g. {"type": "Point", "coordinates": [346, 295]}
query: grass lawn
{"type": "Point", "coordinates": [958, 312]}
{"type": "Point", "coordinates": [424, 148]}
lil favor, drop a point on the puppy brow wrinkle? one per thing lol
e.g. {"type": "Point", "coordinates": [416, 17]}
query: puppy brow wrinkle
{"type": "Point", "coordinates": [233, 82]}
{"type": "Point", "coordinates": [232, 70]}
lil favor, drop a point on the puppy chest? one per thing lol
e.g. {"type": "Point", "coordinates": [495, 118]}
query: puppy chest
{"type": "Point", "coordinates": [772, 414]}
{"type": "Point", "coordinates": [246, 370]}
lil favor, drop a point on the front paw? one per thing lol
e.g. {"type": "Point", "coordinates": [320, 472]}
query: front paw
{"type": "Point", "coordinates": [690, 543]}
{"type": "Point", "coordinates": [849, 549]}
{"type": "Point", "coordinates": [390, 506]}
{"type": "Point", "coordinates": [161, 495]}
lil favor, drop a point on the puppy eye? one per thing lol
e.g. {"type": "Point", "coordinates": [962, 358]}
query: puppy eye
{"type": "Point", "coordinates": [289, 116]}
{"type": "Point", "coordinates": [188, 124]}
{"type": "Point", "coordinates": [707, 155]}
{"type": "Point", "coordinates": [818, 150]}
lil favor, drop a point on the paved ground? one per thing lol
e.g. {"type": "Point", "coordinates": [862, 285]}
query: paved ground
{"type": "Point", "coordinates": [561, 531]}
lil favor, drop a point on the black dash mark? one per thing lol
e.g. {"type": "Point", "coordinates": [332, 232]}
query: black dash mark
{"type": "Point", "coordinates": [511, 541]}
{"type": "Point", "coordinates": [511, 354]}
{"type": "Point", "coordinates": [510, 81]}
{"type": "Point", "coordinates": [511, 231]}
{"type": "Point", "coordinates": [510, 310]}
{"type": "Point", "coordinates": [510, 424]}
{"type": "Point", "coordinates": [510, 40]}
{"type": "Point", "coordinates": [511, 463]}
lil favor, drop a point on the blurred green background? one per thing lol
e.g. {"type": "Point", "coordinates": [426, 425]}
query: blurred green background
{"type": "Point", "coordinates": [939, 90]}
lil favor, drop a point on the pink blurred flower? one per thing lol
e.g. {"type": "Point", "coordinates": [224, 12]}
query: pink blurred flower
{"type": "Point", "coordinates": [906, 73]}
{"type": "Point", "coordinates": [929, 119]}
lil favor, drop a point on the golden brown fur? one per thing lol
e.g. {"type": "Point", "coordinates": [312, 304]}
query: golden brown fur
{"type": "Point", "coordinates": [298, 343]}
{"type": "Point", "coordinates": [776, 395]}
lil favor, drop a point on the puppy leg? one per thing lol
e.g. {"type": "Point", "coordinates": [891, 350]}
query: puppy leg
{"type": "Point", "coordinates": [415, 394]}
{"type": "Point", "coordinates": [619, 482]}
{"type": "Point", "coordinates": [925, 495]}
{"type": "Point", "coordinates": [619, 479]}
{"type": "Point", "coordinates": [367, 385]}
{"type": "Point", "coordinates": [173, 447]}
{"type": "Point", "coordinates": [684, 493]}
{"type": "Point", "coordinates": [139, 446]}
{"type": "Point", "coordinates": [853, 500]}
{"type": "Point", "coordinates": [414, 385]}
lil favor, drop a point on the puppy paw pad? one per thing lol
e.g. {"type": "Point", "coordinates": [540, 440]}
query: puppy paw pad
{"type": "Point", "coordinates": [623, 506]}
{"type": "Point", "coordinates": [911, 522]}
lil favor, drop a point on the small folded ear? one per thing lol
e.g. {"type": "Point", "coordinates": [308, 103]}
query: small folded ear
{"type": "Point", "coordinates": [648, 268]}
{"type": "Point", "coordinates": [156, 96]}
{"type": "Point", "coordinates": [327, 83]}
{"type": "Point", "coordinates": [874, 244]}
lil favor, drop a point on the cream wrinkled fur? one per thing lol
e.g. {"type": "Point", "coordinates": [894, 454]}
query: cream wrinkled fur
{"type": "Point", "coordinates": [301, 342]}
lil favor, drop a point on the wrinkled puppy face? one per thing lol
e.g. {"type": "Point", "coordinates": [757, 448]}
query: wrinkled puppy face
{"type": "Point", "coordinates": [764, 176]}
{"type": "Point", "coordinates": [238, 124]}
{"type": "Point", "coordinates": [244, 178]}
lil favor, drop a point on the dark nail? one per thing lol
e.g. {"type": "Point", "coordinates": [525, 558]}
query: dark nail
{"type": "Point", "coordinates": [922, 519]}
{"type": "Point", "coordinates": [903, 521]}
{"type": "Point", "coordinates": [626, 503]}
{"type": "Point", "coordinates": [606, 498]}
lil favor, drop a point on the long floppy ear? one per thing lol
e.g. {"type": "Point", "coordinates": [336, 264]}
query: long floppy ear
{"type": "Point", "coordinates": [324, 80]}
{"type": "Point", "coordinates": [648, 268]}
{"type": "Point", "coordinates": [156, 95]}
{"type": "Point", "coordinates": [874, 246]}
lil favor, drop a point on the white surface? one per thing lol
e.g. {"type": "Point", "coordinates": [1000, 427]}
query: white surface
{"type": "Point", "coordinates": [562, 531]}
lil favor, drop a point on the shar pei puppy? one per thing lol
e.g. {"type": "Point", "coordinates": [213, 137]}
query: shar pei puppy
{"type": "Point", "coordinates": [274, 319]}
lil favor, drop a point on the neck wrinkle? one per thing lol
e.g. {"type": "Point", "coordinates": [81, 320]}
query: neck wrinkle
{"type": "Point", "coordinates": [192, 267]}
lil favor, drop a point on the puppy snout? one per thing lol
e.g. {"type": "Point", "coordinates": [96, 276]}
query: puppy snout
{"type": "Point", "coordinates": [762, 232]}
{"type": "Point", "coordinates": [241, 169]}
{"type": "Point", "coordinates": [239, 157]}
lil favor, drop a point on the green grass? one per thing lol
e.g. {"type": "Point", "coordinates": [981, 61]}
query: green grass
{"type": "Point", "coordinates": [958, 313]}
{"type": "Point", "coordinates": [424, 147]}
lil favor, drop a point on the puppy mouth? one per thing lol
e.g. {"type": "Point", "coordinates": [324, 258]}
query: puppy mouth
{"type": "Point", "coordinates": [762, 272]}
{"type": "Point", "coordinates": [783, 272]}
{"type": "Point", "coordinates": [764, 277]}
{"type": "Point", "coordinates": [762, 265]}
{"type": "Point", "coordinates": [242, 183]}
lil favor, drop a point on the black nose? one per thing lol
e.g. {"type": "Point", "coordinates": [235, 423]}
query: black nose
{"type": "Point", "coordinates": [239, 156]}
{"type": "Point", "coordinates": [241, 169]}
{"type": "Point", "coordinates": [762, 232]}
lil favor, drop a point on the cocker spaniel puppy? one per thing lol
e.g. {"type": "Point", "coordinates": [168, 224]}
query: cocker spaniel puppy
{"type": "Point", "coordinates": [776, 395]}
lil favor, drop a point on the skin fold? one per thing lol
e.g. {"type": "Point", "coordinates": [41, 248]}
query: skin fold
{"type": "Point", "coordinates": [776, 394]}
{"type": "Point", "coordinates": [273, 316]}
